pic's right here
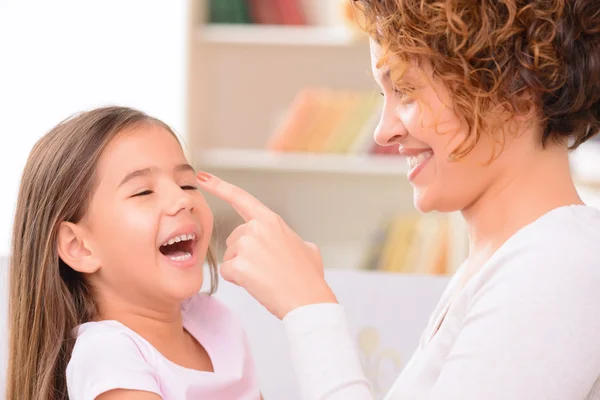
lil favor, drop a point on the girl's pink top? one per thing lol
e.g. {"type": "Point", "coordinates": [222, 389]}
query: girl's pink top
{"type": "Point", "coordinates": [108, 355]}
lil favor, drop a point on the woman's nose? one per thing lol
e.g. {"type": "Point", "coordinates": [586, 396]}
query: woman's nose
{"type": "Point", "coordinates": [390, 129]}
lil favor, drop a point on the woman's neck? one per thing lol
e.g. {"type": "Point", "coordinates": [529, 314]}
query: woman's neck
{"type": "Point", "coordinates": [528, 190]}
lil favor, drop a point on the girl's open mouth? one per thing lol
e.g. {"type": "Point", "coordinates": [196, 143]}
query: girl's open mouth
{"type": "Point", "coordinates": [180, 249]}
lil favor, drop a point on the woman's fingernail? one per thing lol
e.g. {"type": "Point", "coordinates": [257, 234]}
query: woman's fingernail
{"type": "Point", "coordinates": [203, 176]}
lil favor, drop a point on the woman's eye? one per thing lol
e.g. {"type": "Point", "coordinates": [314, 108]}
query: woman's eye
{"type": "Point", "coordinates": [400, 93]}
{"type": "Point", "coordinates": [189, 187]}
{"type": "Point", "coordinates": [144, 193]}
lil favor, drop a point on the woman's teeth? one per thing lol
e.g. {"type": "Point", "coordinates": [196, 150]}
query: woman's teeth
{"type": "Point", "coordinates": [413, 161]}
{"type": "Point", "coordinates": [180, 238]}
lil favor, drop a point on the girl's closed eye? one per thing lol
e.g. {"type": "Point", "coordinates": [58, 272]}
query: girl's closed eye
{"type": "Point", "coordinates": [148, 192]}
{"type": "Point", "coordinates": [143, 193]}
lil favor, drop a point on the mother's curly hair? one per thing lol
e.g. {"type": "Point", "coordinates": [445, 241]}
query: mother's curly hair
{"type": "Point", "coordinates": [539, 55]}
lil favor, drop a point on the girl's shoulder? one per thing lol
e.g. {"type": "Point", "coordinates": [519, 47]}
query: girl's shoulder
{"type": "Point", "coordinates": [106, 339]}
{"type": "Point", "coordinates": [108, 355]}
{"type": "Point", "coordinates": [204, 303]}
{"type": "Point", "coordinates": [99, 334]}
{"type": "Point", "coordinates": [207, 312]}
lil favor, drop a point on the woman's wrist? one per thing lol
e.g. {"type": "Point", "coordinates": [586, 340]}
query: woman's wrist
{"type": "Point", "coordinates": [324, 297]}
{"type": "Point", "coordinates": [314, 315]}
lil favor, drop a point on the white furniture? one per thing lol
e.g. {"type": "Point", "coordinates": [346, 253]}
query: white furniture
{"type": "Point", "coordinates": [387, 313]}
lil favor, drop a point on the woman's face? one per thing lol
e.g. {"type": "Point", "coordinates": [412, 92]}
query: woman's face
{"type": "Point", "coordinates": [421, 120]}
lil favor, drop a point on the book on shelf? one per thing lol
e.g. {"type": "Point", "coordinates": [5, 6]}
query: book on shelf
{"type": "Point", "coordinates": [228, 12]}
{"type": "Point", "coordinates": [323, 120]}
{"type": "Point", "coordinates": [411, 243]}
{"type": "Point", "coordinates": [332, 13]}
{"type": "Point", "coordinates": [270, 12]}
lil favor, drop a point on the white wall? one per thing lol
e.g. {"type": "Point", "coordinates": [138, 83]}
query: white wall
{"type": "Point", "coordinates": [3, 330]}
{"type": "Point", "coordinates": [59, 57]}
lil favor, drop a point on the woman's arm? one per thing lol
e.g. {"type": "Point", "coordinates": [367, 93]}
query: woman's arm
{"type": "Point", "coordinates": [531, 332]}
{"type": "Point", "coordinates": [285, 274]}
{"type": "Point", "coordinates": [324, 354]}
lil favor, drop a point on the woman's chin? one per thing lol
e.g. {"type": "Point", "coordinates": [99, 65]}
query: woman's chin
{"type": "Point", "coordinates": [428, 200]}
{"type": "Point", "coordinates": [422, 201]}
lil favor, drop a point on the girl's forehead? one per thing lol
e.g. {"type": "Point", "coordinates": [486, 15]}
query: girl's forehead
{"type": "Point", "coordinates": [144, 140]}
{"type": "Point", "coordinates": [143, 147]}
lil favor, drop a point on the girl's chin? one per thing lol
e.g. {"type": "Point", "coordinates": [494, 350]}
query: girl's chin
{"type": "Point", "coordinates": [182, 288]}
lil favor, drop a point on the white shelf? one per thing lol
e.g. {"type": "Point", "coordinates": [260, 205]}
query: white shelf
{"type": "Point", "coordinates": [585, 164]}
{"type": "Point", "coordinates": [253, 34]}
{"type": "Point", "coordinates": [262, 160]}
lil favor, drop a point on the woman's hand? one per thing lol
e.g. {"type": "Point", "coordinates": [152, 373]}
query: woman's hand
{"type": "Point", "coordinates": [266, 257]}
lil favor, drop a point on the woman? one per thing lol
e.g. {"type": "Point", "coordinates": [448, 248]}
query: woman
{"type": "Point", "coordinates": [485, 100]}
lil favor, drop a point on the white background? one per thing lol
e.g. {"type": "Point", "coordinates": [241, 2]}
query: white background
{"type": "Point", "coordinates": [59, 57]}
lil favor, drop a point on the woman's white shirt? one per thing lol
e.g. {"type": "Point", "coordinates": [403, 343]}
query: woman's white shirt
{"type": "Point", "coordinates": [525, 327]}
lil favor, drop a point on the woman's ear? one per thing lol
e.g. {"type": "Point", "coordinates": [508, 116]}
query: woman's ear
{"type": "Point", "coordinates": [74, 250]}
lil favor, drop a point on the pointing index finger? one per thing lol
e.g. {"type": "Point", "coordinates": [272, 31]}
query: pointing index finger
{"type": "Point", "coordinates": [246, 205]}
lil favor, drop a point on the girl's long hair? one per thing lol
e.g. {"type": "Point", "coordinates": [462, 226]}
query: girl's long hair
{"type": "Point", "coordinates": [48, 299]}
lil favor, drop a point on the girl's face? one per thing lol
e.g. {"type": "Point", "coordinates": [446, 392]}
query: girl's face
{"type": "Point", "coordinates": [422, 122]}
{"type": "Point", "coordinates": [147, 222]}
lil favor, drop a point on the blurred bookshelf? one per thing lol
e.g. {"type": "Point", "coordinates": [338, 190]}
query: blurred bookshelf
{"type": "Point", "coordinates": [282, 103]}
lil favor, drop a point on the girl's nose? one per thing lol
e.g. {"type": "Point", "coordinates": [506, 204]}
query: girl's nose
{"type": "Point", "coordinates": [180, 200]}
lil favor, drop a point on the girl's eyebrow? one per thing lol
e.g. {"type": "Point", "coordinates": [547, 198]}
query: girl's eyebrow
{"type": "Point", "coordinates": [136, 174]}
{"type": "Point", "coordinates": [148, 171]}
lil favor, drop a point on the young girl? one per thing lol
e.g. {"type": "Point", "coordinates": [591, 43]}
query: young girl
{"type": "Point", "coordinates": [110, 238]}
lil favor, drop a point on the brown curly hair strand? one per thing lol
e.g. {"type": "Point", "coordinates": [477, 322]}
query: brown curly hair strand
{"type": "Point", "coordinates": [541, 56]}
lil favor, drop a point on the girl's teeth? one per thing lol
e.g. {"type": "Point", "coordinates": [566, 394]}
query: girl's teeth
{"type": "Point", "coordinates": [184, 257]}
{"type": "Point", "coordinates": [180, 238]}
